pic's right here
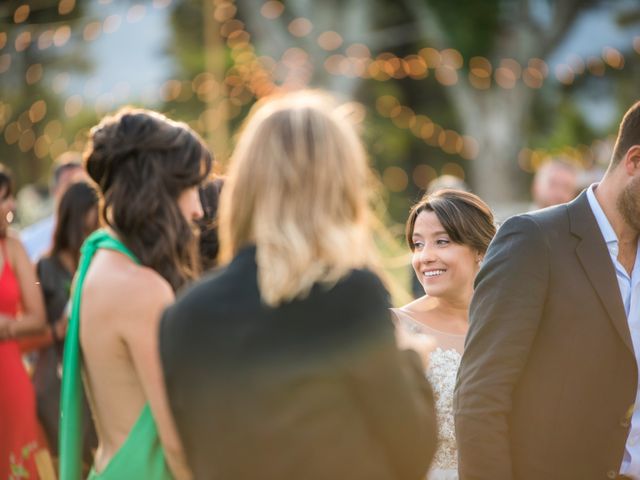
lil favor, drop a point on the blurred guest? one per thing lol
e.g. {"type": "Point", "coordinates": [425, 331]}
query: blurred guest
{"type": "Point", "coordinates": [37, 238]}
{"type": "Point", "coordinates": [548, 382]}
{"type": "Point", "coordinates": [21, 314]}
{"type": "Point", "coordinates": [448, 233]}
{"type": "Point", "coordinates": [209, 244]}
{"type": "Point", "coordinates": [447, 182]}
{"type": "Point", "coordinates": [148, 170]}
{"type": "Point", "coordinates": [77, 217]}
{"type": "Point", "coordinates": [284, 365]}
{"type": "Point", "coordinates": [589, 176]}
{"type": "Point", "coordinates": [554, 183]}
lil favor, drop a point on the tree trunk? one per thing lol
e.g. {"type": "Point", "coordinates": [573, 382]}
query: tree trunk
{"type": "Point", "coordinates": [496, 119]}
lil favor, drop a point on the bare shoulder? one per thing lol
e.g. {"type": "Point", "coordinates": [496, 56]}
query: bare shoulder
{"type": "Point", "coordinates": [138, 291]}
{"type": "Point", "coordinates": [420, 305]}
{"type": "Point", "coordinates": [147, 285]}
{"type": "Point", "coordinates": [147, 293]}
{"type": "Point", "coordinates": [15, 249]}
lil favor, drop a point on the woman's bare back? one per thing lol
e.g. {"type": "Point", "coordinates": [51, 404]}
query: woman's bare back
{"type": "Point", "coordinates": [121, 306]}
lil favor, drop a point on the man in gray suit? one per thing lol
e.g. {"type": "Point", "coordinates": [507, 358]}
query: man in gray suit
{"type": "Point", "coordinates": [549, 376]}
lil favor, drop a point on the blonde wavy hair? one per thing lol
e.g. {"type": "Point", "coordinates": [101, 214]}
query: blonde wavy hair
{"type": "Point", "coordinates": [298, 188]}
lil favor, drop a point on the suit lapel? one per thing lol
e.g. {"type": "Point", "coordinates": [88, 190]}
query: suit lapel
{"type": "Point", "coordinates": [595, 259]}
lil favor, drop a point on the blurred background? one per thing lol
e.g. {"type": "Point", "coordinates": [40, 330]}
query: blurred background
{"type": "Point", "coordinates": [483, 90]}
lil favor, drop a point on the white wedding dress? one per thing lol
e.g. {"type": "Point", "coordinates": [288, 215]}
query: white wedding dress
{"type": "Point", "coordinates": [443, 367]}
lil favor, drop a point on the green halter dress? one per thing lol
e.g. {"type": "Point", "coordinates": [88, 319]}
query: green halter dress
{"type": "Point", "coordinates": [141, 456]}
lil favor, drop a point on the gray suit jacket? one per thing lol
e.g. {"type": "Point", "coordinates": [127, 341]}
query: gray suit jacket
{"type": "Point", "coordinates": [548, 378]}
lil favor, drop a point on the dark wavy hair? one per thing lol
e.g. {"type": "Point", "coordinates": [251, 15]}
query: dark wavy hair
{"type": "Point", "coordinates": [71, 229]}
{"type": "Point", "coordinates": [6, 187]}
{"type": "Point", "coordinates": [466, 218]}
{"type": "Point", "coordinates": [209, 244]}
{"type": "Point", "coordinates": [628, 134]}
{"type": "Point", "coordinates": [142, 162]}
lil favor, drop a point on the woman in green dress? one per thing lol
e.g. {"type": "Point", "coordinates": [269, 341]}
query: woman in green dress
{"type": "Point", "coordinates": [148, 169]}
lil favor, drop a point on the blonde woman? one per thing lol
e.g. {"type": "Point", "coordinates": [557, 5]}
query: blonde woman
{"type": "Point", "coordinates": [284, 364]}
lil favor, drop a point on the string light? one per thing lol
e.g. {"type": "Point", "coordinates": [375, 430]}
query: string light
{"type": "Point", "coordinates": [66, 6]}
{"type": "Point", "coordinates": [37, 111]}
{"type": "Point", "coordinates": [395, 179]}
{"type": "Point", "coordinates": [62, 36]}
{"type": "Point", "coordinates": [453, 169]}
{"type": "Point", "coordinates": [272, 9]}
{"type": "Point", "coordinates": [252, 76]}
{"type": "Point", "coordinates": [45, 40]}
{"type": "Point", "coordinates": [422, 175]}
{"type": "Point", "coordinates": [136, 13]}
{"type": "Point", "coordinates": [300, 27]}
{"type": "Point", "coordinates": [23, 40]}
{"type": "Point", "coordinates": [613, 58]}
{"type": "Point", "coordinates": [112, 23]}
{"type": "Point", "coordinates": [91, 31]}
{"type": "Point", "coordinates": [583, 156]}
{"type": "Point", "coordinates": [34, 74]}
{"type": "Point", "coordinates": [224, 12]}
{"type": "Point", "coordinates": [506, 75]}
{"type": "Point", "coordinates": [564, 74]}
{"type": "Point", "coordinates": [423, 127]}
{"type": "Point", "coordinates": [21, 14]}
{"type": "Point", "coordinates": [41, 147]}
{"type": "Point", "coordinates": [26, 140]}
{"type": "Point", "coordinates": [329, 40]}
{"type": "Point", "coordinates": [11, 133]}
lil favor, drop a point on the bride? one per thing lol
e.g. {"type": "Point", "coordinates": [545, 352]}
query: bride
{"type": "Point", "coordinates": [448, 232]}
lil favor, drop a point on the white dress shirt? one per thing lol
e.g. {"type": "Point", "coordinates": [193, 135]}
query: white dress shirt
{"type": "Point", "coordinates": [630, 293]}
{"type": "Point", "coordinates": [37, 238]}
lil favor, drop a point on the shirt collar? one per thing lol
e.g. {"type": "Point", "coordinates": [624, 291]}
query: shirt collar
{"type": "Point", "coordinates": [608, 233]}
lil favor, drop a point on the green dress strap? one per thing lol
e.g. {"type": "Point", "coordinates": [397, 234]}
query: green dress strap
{"type": "Point", "coordinates": [148, 460]}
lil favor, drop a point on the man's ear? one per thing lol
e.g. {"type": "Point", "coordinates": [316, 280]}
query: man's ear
{"type": "Point", "coordinates": [632, 160]}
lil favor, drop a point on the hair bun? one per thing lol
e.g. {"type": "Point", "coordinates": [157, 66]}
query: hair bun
{"type": "Point", "coordinates": [115, 140]}
{"type": "Point", "coordinates": [98, 157]}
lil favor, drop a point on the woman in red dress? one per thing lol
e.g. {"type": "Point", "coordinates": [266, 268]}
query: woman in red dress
{"type": "Point", "coordinates": [21, 314]}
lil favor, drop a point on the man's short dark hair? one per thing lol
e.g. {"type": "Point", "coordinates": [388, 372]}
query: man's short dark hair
{"type": "Point", "coordinates": [628, 134]}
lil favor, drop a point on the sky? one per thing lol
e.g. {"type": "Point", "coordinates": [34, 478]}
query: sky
{"type": "Point", "coordinates": [133, 55]}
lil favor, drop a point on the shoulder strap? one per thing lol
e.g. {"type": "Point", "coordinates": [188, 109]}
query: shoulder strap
{"type": "Point", "coordinates": [70, 401]}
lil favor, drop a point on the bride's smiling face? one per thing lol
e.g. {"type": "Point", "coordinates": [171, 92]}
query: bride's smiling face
{"type": "Point", "coordinates": [444, 268]}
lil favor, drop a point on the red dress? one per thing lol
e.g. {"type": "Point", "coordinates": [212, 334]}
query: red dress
{"type": "Point", "coordinates": [19, 431]}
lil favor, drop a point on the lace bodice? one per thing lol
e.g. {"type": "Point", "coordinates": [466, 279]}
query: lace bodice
{"type": "Point", "coordinates": [443, 366]}
{"type": "Point", "coordinates": [444, 362]}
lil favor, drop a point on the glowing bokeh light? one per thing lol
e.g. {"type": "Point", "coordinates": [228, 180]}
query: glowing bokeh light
{"type": "Point", "coordinates": [300, 27]}
{"type": "Point", "coordinates": [329, 40]}
{"type": "Point", "coordinates": [272, 9]}
{"type": "Point", "coordinates": [21, 13]}
{"type": "Point", "coordinates": [66, 6]}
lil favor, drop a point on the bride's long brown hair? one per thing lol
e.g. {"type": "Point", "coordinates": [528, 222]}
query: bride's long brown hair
{"type": "Point", "coordinates": [142, 161]}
